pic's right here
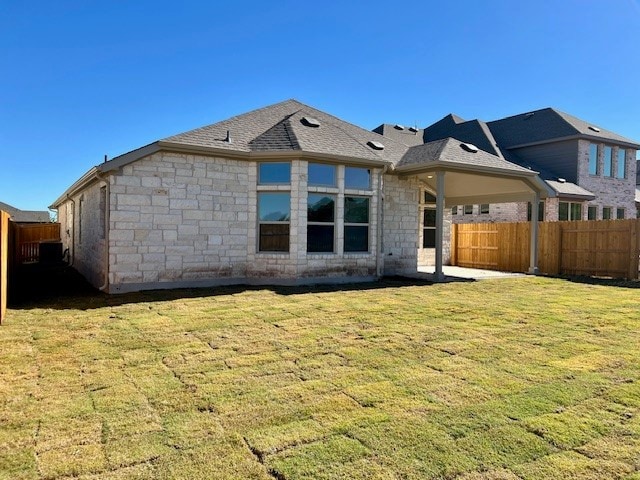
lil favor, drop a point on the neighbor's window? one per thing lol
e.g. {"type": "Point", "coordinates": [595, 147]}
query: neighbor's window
{"type": "Point", "coordinates": [356, 224]}
{"type": "Point", "coordinates": [357, 178]}
{"type": "Point", "coordinates": [608, 161]}
{"type": "Point", "coordinates": [606, 213]}
{"type": "Point", "coordinates": [454, 210]}
{"type": "Point", "coordinates": [569, 211]}
{"type": "Point", "coordinates": [321, 174]}
{"type": "Point", "coordinates": [540, 211]}
{"type": "Point", "coordinates": [593, 159]}
{"type": "Point", "coordinates": [484, 208]}
{"type": "Point", "coordinates": [429, 228]}
{"type": "Point", "coordinates": [468, 209]}
{"type": "Point", "coordinates": [274, 216]}
{"type": "Point", "coordinates": [621, 170]}
{"type": "Point", "coordinates": [592, 212]}
{"type": "Point", "coordinates": [320, 222]}
{"type": "Point", "coordinates": [274, 173]}
{"type": "Point", "coordinates": [620, 213]}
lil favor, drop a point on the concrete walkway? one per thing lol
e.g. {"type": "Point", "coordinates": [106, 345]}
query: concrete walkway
{"type": "Point", "coordinates": [453, 273]}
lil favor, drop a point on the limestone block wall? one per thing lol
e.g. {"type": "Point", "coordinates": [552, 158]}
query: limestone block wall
{"type": "Point", "coordinates": [610, 192]}
{"type": "Point", "coordinates": [498, 212]}
{"type": "Point", "coordinates": [82, 230]}
{"type": "Point", "coordinates": [401, 225]}
{"type": "Point", "coordinates": [190, 220]}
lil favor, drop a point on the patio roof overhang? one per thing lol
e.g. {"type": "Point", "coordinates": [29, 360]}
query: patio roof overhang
{"type": "Point", "coordinates": [473, 184]}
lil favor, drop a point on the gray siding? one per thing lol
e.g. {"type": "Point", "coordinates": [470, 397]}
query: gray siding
{"type": "Point", "coordinates": [559, 157]}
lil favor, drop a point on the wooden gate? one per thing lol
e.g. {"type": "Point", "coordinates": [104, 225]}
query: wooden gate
{"type": "Point", "coordinates": [608, 248]}
{"type": "Point", "coordinates": [28, 237]}
{"type": "Point", "coordinates": [4, 260]}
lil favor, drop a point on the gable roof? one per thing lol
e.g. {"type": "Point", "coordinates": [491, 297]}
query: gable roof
{"type": "Point", "coordinates": [401, 134]}
{"type": "Point", "coordinates": [473, 131]}
{"type": "Point", "coordinates": [547, 125]}
{"type": "Point", "coordinates": [26, 216]}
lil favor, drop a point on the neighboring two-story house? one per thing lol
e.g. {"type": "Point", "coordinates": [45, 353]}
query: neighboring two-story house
{"type": "Point", "coordinates": [590, 171]}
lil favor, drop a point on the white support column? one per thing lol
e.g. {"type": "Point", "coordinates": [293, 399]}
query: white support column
{"type": "Point", "coordinates": [533, 251]}
{"type": "Point", "coordinates": [439, 275]}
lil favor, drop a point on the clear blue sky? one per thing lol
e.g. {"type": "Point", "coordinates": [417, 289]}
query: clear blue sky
{"type": "Point", "coordinates": [81, 79]}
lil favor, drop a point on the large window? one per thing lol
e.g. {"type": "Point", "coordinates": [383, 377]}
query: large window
{"type": "Point", "coordinates": [621, 165]}
{"type": "Point", "coordinates": [429, 228]}
{"type": "Point", "coordinates": [320, 222]}
{"type": "Point", "coordinates": [593, 159]}
{"type": "Point", "coordinates": [569, 211]}
{"type": "Point", "coordinates": [356, 224]}
{"type": "Point", "coordinates": [608, 161]}
{"type": "Point", "coordinates": [321, 174]}
{"type": "Point", "coordinates": [357, 178]}
{"type": "Point", "coordinates": [274, 173]}
{"type": "Point", "coordinates": [274, 215]}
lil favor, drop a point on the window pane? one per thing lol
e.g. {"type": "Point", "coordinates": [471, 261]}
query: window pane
{"type": "Point", "coordinates": [541, 211]}
{"type": "Point", "coordinates": [429, 218]}
{"type": "Point", "coordinates": [357, 178]}
{"type": "Point", "coordinates": [468, 209]}
{"type": "Point", "coordinates": [320, 238]}
{"type": "Point", "coordinates": [593, 159]}
{"type": "Point", "coordinates": [274, 207]}
{"type": "Point", "coordinates": [320, 174]}
{"type": "Point", "coordinates": [622, 163]}
{"type": "Point", "coordinates": [608, 163]}
{"type": "Point", "coordinates": [563, 211]}
{"type": "Point", "coordinates": [356, 238]}
{"type": "Point", "coordinates": [592, 212]}
{"type": "Point", "coordinates": [320, 208]}
{"type": "Point", "coordinates": [576, 211]}
{"type": "Point", "coordinates": [356, 210]}
{"type": "Point", "coordinates": [454, 210]}
{"type": "Point", "coordinates": [484, 208]}
{"type": "Point", "coordinates": [429, 238]}
{"type": "Point", "coordinates": [428, 198]}
{"type": "Point", "coordinates": [620, 213]}
{"type": "Point", "coordinates": [270, 173]}
{"type": "Point", "coordinates": [606, 213]}
{"type": "Point", "coordinates": [274, 237]}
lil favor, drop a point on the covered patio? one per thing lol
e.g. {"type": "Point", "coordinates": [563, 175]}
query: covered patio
{"type": "Point", "coordinates": [458, 173]}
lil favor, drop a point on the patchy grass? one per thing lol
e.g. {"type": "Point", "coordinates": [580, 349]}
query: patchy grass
{"type": "Point", "coordinates": [526, 378]}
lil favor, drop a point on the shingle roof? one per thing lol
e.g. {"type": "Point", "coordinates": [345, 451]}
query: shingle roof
{"type": "Point", "coordinates": [451, 151]}
{"type": "Point", "coordinates": [280, 127]}
{"type": "Point", "coordinates": [545, 125]}
{"type": "Point", "coordinates": [473, 131]}
{"type": "Point", "coordinates": [26, 216]}
{"type": "Point", "coordinates": [404, 135]}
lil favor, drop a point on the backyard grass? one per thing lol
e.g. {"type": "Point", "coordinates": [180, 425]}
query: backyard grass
{"type": "Point", "coordinates": [527, 378]}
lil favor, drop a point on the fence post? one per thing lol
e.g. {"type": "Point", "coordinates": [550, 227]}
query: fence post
{"type": "Point", "coordinates": [634, 250]}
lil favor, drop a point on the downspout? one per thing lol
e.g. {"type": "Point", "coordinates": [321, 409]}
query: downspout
{"type": "Point", "coordinates": [107, 210]}
{"type": "Point", "coordinates": [380, 229]}
{"type": "Point", "coordinates": [72, 257]}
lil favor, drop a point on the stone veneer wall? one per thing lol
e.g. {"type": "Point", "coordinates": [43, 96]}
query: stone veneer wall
{"type": "Point", "coordinates": [610, 192]}
{"type": "Point", "coordinates": [401, 225]}
{"type": "Point", "coordinates": [86, 250]}
{"type": "Point", "coordinates": [182, 220]}
{"type": "Point", "coordinates": [498, 212]}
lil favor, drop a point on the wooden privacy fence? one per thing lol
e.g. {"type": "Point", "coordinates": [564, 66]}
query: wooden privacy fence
{"type": "Point", "coordinates": [4, 259]}
{"type": "Point", "coordinates": [27, 239]}
{"type": "Point", "coordinates": [608, 248]}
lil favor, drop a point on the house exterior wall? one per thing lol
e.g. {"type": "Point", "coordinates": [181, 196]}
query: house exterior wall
{"type": "Point", "coordinates": [189, 220]}
{"type": "Point", "coordinates": [498, 212]}
{"type": "Point", "coordinates": [558, 157]}
{"type": "Point", "coordinates": [83, 233]}
{"type": "Point", "coordinates": [401, 225]}
{"type": "Point", "coordinates": [609, 191]}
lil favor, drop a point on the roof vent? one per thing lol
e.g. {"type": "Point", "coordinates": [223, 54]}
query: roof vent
{"type": "Point", "coordinates": [413, 129]}
{"type": "Point", "coordinates": [310, 122]}
{"type": "Point", "coordinates": [375, 145]}
{"type": "Point", "coordinates": [398, 127]}
{"type": "Point", "coordinates": [228, 137]}
{"type": "Point", "coordinates": [469, 147]}
{"type": "Point", "coordinates": [595, 129]}
{"type": "Point", "coordinates": [562, 180]}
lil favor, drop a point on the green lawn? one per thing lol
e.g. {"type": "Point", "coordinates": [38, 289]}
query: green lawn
{"type": "Point", "coordinates": [527, 378]}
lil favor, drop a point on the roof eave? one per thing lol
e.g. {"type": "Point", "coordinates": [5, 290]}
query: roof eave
{"type": "Point", "coordinates": [78, 185]}
{"type": "Point", "coordinates": [579, 136]}
{"type": "Point", "coordinates": [439, 164]}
